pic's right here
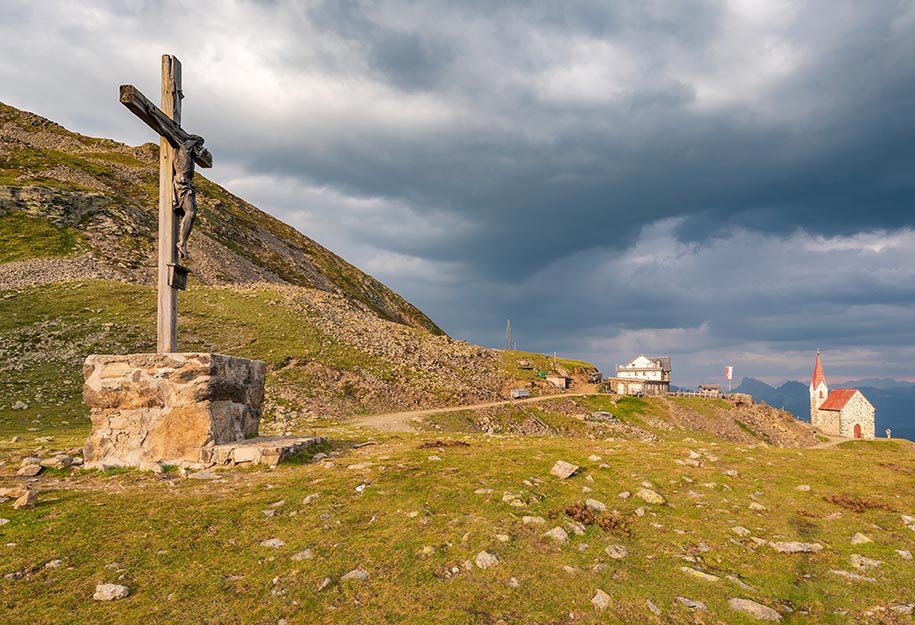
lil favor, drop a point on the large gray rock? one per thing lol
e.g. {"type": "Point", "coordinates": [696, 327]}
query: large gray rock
{"type": "Point", "coordinates": [29, 470]}
{"type": "Point", "coordinates": [754, 610]}
{"type": "Point", "coordinates": [617, 552]}
{"type": "Point", "coordinates": [356, 574]}
{"type": "Point", "coordinates": [28, 500]}
{"type": "Point", "coordinates": [484, 560]}
{"type": "Point", "coordinates": [563, 470]}
{"type": "Point", "coordinates": [649, 496]}
{"type": "Point", "coordinates": [169, 408]}
{"type": "Point", "coordinates": [692, 604]}
{"type": "Point", "coordinates": [110, 592]}
{"type": "Point", "coordinates": [601, 600]}
{"type": "Point", "coordinates": [796, 547]}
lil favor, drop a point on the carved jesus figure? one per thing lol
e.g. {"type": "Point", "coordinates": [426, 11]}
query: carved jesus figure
{"type": "Point", "coordinates": [185, 203]}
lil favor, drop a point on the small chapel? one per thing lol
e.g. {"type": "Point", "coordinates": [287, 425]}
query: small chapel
{"type": "Point", "coordinates": [841, 411]}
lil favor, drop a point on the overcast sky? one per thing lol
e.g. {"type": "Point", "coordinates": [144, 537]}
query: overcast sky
{"type": "Point", "coordinates": [723, 182]}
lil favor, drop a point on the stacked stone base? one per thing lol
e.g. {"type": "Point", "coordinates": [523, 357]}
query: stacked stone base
{"type": "Point", "coordinates": [269, 450]}
{"type": "Point", "coordinates": [169, 408]}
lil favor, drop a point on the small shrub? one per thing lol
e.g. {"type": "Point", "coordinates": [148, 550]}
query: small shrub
{"type": "Point", "coordinates": [607, 521]}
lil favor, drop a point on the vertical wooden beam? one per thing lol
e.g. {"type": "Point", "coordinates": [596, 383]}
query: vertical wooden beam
{"type": "Point", "coordinates": [167, 313]}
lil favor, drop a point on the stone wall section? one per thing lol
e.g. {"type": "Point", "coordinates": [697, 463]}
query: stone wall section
{"type": "Point", "coordinates": [169, 408]}
{"type": "Point", "coordinates": [858, 410]}
{"type": "Point", "coordinates": [825, 421]}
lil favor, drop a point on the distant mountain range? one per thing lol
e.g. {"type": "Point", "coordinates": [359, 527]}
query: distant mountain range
{"type": "Point", "coordinates": [894, 400]}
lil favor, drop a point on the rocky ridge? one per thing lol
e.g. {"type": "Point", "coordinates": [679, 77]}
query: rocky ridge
{"type": "Point", "coordinates": [105, 193]}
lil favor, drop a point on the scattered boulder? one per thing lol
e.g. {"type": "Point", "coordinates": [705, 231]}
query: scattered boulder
{"type": "Point", "coordinates": [601, 600]}
{"type": "Point", "coordinates": [653, 608]}
{"type": "Point", "coordinates": [4, 521]}
{"type": "Point", "coordinates": [860, 539]}
{"type": "Point", "coordinates": [596, 505]}
{"type": "Point", "coordinates": [796, 547]}
{"type": "Point", "coordinates": [740, 531]}
{"type": "Point", "coordinates": [61, 461]}
{"type": "Point", "coordinates": [533, 520]}
{"type": "Point", "coordinates": [110, 592]}
{"type": "Point", "coordinates": [558, 534]}
{"type": "Point", "coordinates": [303, 555]}
{"type": "Point", "coordinates": [754, 610]}
{"type": "Point", "coordinates": [697, 574]}
{"type": "Point", "coordinates": [756, 506]}
{"type": "Point", "coordinates": [617, 552]}
{"type": "Point", "coordinates": [356, 574]}
{"type": "Point", "coordinates": [29, 470]}
{"type": "Point", "coordinates": [485, 560]}
{"type": "Point", "coordinates": [860, 562]}
{"type": "Point", "coordinates": [691, 604]}
{"type": "Point", "coordinates": [28, 500]}
{"type": "Point", "coordinates": [273, 543]}
{"type": "Point", "coordinates": [563, 470]}
{"type": "Point", "coordinates": [649, 496]}
{"type": "Point", "coordinates": [905, 554]}
{"type": "Point", "coordinates": [20, 405]}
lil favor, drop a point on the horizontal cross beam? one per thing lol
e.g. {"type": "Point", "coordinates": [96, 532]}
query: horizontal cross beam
{"type": "Point", "coordinates": [140, 106]}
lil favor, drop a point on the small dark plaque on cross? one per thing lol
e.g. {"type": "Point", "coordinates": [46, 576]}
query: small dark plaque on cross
{"type": "Point", "coordinates": [179, 151]}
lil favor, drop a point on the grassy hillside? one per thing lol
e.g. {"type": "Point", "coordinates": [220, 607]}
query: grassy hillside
{"type": "Point", "coordinates": [327, 357]}
{"type": "Point", "coordinates": [63, 194]}
{"type": "Point", "coordinates": [414, 511]}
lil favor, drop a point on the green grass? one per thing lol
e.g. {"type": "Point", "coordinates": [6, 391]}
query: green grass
{"type": "Point", "coordinates": [46, 333]}
{"type": "Point", "coordinates": [418, 518]}
{"type": "Point", "coordinates": [509, 365]}
{"type": "Point", "coordinates": [23, 237]}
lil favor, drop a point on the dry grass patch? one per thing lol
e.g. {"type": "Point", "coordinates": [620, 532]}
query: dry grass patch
{"type": "Point", "coordinates": [858, 504]}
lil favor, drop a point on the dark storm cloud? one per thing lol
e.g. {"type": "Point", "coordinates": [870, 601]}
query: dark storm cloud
{"type": "Point", "coordinates": [699, 177]}
{"type": "Point", "coordinates": [828, 137]}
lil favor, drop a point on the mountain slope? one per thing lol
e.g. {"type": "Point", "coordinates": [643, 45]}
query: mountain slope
{"type": "Point", "coordinates": [91, 204]}
{"type": "Point", "coordinates": [77, 272]}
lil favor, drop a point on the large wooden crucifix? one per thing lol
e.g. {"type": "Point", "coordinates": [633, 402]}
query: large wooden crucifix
{"type": "Point", "coordinates": [178, 151]}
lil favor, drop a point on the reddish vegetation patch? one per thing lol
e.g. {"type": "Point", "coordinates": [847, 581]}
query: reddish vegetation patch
{"type": "Point", "coordinates": [436, 444]}
{"type": "Point", "coordinates": [898, 468]}
{"type": "Point", "coordinates": [608, 521]}
{"type": "Point", "coordinates": [857, 504]}
{"type": "Point", "coordinates": [809, 515]}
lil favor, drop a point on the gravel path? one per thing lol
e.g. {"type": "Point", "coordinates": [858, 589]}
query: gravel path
{"type": "Point", "coordinates": [406, 421]}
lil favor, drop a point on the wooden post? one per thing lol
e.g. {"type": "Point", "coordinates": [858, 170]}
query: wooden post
{"type": "Point", "coordinates": [167, 313]}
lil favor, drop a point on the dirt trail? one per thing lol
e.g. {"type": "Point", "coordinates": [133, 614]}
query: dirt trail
{"type": "Point", "coordinates": [405, 421]}
{"type": "Point", "coordinates": [833, 441]}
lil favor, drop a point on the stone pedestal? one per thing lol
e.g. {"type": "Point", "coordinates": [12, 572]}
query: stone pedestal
{"type": "Point", "coordinates": [169, 408]}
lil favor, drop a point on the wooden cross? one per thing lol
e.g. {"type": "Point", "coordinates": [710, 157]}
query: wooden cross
{"type": "Point", "coordinates": [167, 123]}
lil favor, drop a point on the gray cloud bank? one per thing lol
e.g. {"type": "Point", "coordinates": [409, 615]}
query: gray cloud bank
{"type": "Point", "coordinates": [728, 182]}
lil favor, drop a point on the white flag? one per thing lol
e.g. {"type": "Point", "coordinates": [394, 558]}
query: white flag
{"type": "Point", "coordinates": [728, 372]}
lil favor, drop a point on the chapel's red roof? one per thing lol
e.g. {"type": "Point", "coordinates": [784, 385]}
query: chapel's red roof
{"type": "Point", "coordinates": [837, 399]}
{"type": "Point", "coordinates": [818, 375]}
